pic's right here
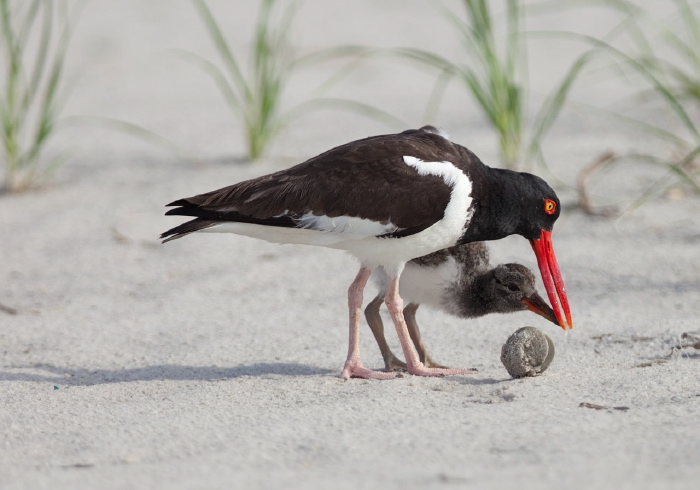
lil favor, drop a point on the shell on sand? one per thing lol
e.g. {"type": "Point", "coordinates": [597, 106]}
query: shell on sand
{"type": "Point", "coordinates": [527, 352]}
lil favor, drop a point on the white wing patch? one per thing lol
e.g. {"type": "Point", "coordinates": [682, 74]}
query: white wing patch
{"type": "Point", "coordinates": [358, 235]}
{"type": "Point", "coordinates": [457, 213]}
{"type": "Point", "coordinates": [350, 228]}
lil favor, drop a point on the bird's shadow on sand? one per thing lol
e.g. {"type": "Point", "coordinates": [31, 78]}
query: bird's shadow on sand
{"type": "Point", "coordinates": [57, 375]}
{"type": "Point", "coordinates": [471, 381]}
{"type": "Point", "coordinates": [48, 373]}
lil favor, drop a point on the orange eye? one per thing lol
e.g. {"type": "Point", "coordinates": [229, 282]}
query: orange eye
{"type": "Point", "coordinates": [549, 206]}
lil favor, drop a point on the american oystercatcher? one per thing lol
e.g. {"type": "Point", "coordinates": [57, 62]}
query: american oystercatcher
{"type": "Point", "coordinates": [386, 200]}
{"type": "Point", "coordinates": [459, 281]}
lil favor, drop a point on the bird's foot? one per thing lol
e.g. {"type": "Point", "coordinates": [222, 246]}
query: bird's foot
{"type": "Point", "coordinates": [430, 363]}
{"type": "Point", "coordinates": [355, 369]}
{"type": "Point", "coordinates": [421, 370]}
{"type": "Point", "coordinates": [392, 363]}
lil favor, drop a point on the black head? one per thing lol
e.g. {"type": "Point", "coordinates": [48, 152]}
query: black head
{"type": "Point", "coordinates": [508, 288]}
{"type": "Point", "coordinates": [540, 207]}
{"type": "Point", "coordinates": [507, 203]}
{"type": "Point", "coordinates": [511, 203]}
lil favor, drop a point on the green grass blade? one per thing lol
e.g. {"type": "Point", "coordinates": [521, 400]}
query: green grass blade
{"type": "Point", "coordinates": [223, 48]}
{"type": "Point", "coordinates": [27, 24]}
{"type": "Point", "coordinates": [14, 72]}
{"type": "Point", "coordinates": [338, 75]}
{"type": "Point", "coordinates": [342, 104]}
{"type": "Point", "coordinates": [217, 76]}
{"type": "Point", "coordinates": [514, 46]}
{"type": "Point", "coordinates": [46, 34]}
{"type": "Point", "coordinates": [688, 14]}
{"type": "Point", "coordinates": [436, 95]}
{"type": "Point", "coordinates": [31, 101]}
{"type": "Point", "coordinates": [125, 127]}
{"type": "Point", "coordinates": [48, 109]}
{"type": "Point", "coordinates": [427, 58]}
{"type": "Point", "coordinates": [331, 54]}
{"type": "Point", "coordinates": [686, 50]}
{"type": "Point", "coordinates": [652, 129]}
{"type": "Point", "coordinates": [646, 73]}
{"type": "Point", "coordinates": [550, 109]}
{"type": "Point", "coordinates": [666, 183]}
{"type": "Point", "coordinates": [463, 29]}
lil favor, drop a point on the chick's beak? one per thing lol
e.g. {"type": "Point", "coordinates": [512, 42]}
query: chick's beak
{"type": "Point", "coordinates": [537, 304]}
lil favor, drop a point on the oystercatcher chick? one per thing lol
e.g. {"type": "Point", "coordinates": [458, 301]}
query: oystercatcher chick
{"type": "Point", "coordinates": [459, 281]}
{"type": "Point", "coordinates": [386, 200]}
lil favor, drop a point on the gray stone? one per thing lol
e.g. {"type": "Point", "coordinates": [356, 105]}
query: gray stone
{"type": "Point", "coordinates": [527, 352]}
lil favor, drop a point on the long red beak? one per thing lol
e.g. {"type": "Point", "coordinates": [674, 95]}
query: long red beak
{"type": "Point", "coordinates": [551, 276]}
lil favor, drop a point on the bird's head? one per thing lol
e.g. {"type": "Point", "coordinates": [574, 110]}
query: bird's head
{"type": "Point", "coordinates": [509, 288]}
{"type": "Point", "coordinates": [524, 204]}
{"type": "Point", "coordinates": [541, 208]}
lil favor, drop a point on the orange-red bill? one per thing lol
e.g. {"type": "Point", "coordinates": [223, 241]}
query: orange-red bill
{"type": "Point", "coordinates": [551, 276]}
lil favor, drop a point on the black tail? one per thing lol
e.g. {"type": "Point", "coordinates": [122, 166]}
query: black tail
{"type": "Point", "coordinates": [187, 228]}
{"type": "Point", "coordinates": [206, 218]}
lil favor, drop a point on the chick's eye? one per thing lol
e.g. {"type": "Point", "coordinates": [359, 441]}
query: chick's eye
{"type": "Point", "coordinates": [513, 287]}
{"type": "Point", "coordinates": [549, 206]}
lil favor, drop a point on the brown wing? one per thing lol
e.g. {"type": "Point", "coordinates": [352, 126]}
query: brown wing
{"type": "Point", "coordinates": [365, 179]}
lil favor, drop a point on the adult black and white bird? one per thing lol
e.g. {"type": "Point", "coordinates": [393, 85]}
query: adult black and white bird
{"type": "Point", "coordinates": [386, 200]}
{"type": "Point", "coordinates": [461, 282]}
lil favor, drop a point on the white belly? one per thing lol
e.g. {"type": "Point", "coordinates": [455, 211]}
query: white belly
{"type": "Point", "coordinates": [422, 284]}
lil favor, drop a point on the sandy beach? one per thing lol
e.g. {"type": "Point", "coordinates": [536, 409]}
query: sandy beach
{"type": "Point", "coordinates": [213, 361]}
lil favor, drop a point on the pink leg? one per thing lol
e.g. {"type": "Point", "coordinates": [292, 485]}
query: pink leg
{"type": "Point", "coordinates": [353, 365]}
{"type": "Point", "coordinates": [415, 366]}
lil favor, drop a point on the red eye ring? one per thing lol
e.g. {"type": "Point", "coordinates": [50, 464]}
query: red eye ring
{"type": "Point", "coordinates": [550, 206]}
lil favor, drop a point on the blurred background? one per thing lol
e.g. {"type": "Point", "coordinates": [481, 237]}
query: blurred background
{"type": "Point", "coordinates": [581, 92]}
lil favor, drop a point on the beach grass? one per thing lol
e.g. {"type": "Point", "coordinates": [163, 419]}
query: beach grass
{"type": "Point", "coordinates": [673, 75]}
{"type": "Point", "coordinates": [33, 91]}
{"type": "Point", "coordinates": [254, 98]}
{"type": "Point", "coordinates": [494, 73]}
{"type": "Point", "coordinates": [662, 54]}
{"type": "Point", "coordinates": [255, 93]}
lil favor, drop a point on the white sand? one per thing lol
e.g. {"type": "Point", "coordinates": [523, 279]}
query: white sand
{"type": "Point", "coordinates": [212, 361]}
